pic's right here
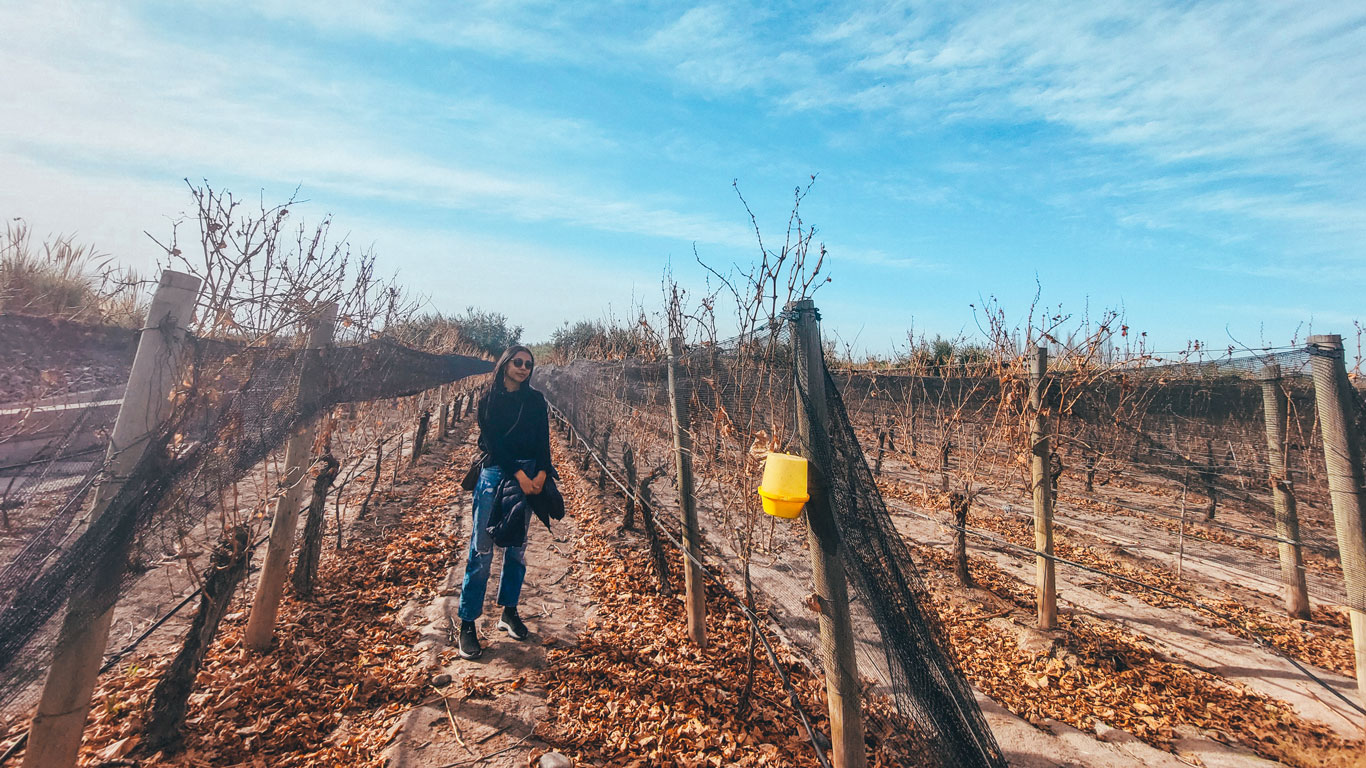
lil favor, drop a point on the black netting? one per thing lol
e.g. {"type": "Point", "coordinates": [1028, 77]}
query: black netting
{"type": "Point", "coordinates": [743, 404]}
{"type": "Point", "coordinates": [1196, 488]}
{"type": "Point", "coordinates": [929, 687]}
{"type": "Point", "coordinates": [235, 405]}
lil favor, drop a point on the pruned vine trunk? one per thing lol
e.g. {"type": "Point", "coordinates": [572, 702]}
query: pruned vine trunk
{"type": "Point", "coordinates": [374, 481]}
{"type": "Point", "coordinates": [306, 568]}
{"type": "Point", "coordinates": [166, 715]}
{"type": "Point", "coordinates": [958, 504]}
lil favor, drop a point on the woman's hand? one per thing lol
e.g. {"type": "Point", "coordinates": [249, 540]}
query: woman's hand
{"type": "Point", "coordinates": [529, 486]}
{"type": "Point", "coordinates": [538, 482]}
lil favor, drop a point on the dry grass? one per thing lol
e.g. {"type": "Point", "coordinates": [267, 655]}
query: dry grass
{"type": "Point", "coordinates": [64, 279]}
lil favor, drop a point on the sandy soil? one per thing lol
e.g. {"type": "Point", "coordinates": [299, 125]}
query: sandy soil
{"type": "Point", "coordinates": [496, 722]}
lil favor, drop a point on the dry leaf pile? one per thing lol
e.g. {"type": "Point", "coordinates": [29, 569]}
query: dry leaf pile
{"type": "Point", "coordinates": [636, 692]}
{"type": "Point", "coordinates": [343, 672]}
{"type": "Point", "coordinates": [1097, 672]}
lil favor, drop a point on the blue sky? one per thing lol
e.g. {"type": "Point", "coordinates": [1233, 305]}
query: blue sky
{"type": "Point", "coordinates": [1198, 164]}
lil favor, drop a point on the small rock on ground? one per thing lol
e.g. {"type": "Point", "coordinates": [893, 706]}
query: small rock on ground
{"type": "Point", "coordinates": [556, 760]}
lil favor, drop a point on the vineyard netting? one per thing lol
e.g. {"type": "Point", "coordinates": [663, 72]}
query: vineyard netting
{"type": "Point", "coordinates": [744, 404]}
{"type": "Point", "coordinates": [232, 406]}
{"type": "Point", "coordinates": [1192, 506]}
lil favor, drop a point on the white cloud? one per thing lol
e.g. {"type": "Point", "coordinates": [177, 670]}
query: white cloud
{"type": "Point", "coordinates": [164, 108]}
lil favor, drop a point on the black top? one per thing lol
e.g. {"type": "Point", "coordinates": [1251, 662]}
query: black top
{"type": "Point", "coordinates": [506, 437]}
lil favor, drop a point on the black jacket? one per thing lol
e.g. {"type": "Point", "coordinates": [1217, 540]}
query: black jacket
{"type": "Point", "coordinates": [510, 517]}
{"type": "Point", "coordinates": [513, 427]}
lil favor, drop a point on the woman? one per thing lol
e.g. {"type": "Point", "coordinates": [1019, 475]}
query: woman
{"type": "Point", "coordinates": [514, 434]}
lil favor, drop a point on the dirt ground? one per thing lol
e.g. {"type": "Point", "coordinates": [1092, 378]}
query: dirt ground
{"type": "Point", "coordinates": [488, 708]}
{"type": "Point", "coordinates": [402, 697]}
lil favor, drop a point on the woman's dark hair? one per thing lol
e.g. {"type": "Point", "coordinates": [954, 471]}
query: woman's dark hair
{"type": "Point", "coordinates": [503, 361]}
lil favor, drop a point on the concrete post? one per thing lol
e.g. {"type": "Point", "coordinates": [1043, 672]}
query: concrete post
{"type": "Point", "coordinates": [1282, 494]}
{"type": "Point", "coordinates": [1342, 455]}
{"type": "Point", "coordinates": [54, 737]}
{"type": "Point", "coordinates": [271, 586]}
{"type": "Point", "coordinates": [695, 588]}
{"type": "Point", "coordinates": [827, 563]}
{"type": "Point", "coordinates": [1045, 578]}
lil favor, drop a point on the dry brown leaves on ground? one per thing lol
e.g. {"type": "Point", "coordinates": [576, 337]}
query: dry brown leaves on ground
{"type": "Point", "coordinates": [636, 692]}
{"type": "Point", "coordinates": [340, 677]}
{"type": "Point", "coordinates": [1324, 642]}
{"type": "Point", "coordinates": [1099, 672]}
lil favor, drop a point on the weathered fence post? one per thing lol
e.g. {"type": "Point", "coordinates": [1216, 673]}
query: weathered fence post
{"type": "Point", "coordinates": [881, 447]}
{"type": "Point", "coordinates": [54, 737]}
{"type": "Point", "coordinates": [271, 586]}
{"type": "Point", "coordinates": [1283, 495]}
{"type": "Point", "coordinates": [1045, 583]}
{"type": "Point", "coordinates": [604, 447]}
{"type": "Point", "coordinates": [827, 562]}
{"type": "Point", "coordinates": [628, 462]}
{"type": "Point", "coordinates": [680, 406]}
{"type": "Point", "coordinates": [1342, 455]}
{"type": "Point", "coordinates": [443, 421]}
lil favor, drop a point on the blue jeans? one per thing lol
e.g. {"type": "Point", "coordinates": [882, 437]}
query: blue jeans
{"type": "Point", "coordinates": [479, 562]}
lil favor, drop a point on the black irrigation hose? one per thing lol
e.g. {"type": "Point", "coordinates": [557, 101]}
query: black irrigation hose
{"type": "Point", "coordinates": [1231, 621]}
{"type": "Point", "coordinates": [722, 586]}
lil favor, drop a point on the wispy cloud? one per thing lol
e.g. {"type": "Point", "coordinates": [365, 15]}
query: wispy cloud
{"type": "Point", "coordinates": [131, 102]}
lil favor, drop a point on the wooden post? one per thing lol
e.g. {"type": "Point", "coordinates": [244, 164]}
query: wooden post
{"type": "Point", "coordinates": [827, 563]}
{"type": "Point", "coordinates": [1045, 583]}
{"type": "Point", "coordinates": [54, 737]}
{"type": "Point", "coordinates": [603, 448]}
{"type": "Point", "coordinates": [881, 447]}
{"type": "Point", "coordinates": [1209, 474]}
{"type": "Point", "coordinates": [1342, 455]}
{"type": "Point", "coordinates": [1283, 494]}
{"type": "Point", "coordinates": [443, 421]}
{"type": "Point", "coordinates": [270, 588]}
{"type": "Point", "coordinates": [695, 589]}
{"type": "Point", "coordinates": [628, 462]}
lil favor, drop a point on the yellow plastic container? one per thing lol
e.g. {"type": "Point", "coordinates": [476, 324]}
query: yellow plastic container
{"type": "Point", "coordinates": [784, 486]}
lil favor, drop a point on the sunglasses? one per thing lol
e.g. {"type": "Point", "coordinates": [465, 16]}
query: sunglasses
{"type": "Point", "coordinates": [520, 363]}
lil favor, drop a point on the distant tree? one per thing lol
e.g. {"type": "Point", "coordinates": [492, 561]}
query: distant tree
{"type": "Point", "coordinates": [487, 331]}
{"type": "Point", "coordinates": [476, 331]}
{"type": "Point", "coordinates": [603, 340]}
